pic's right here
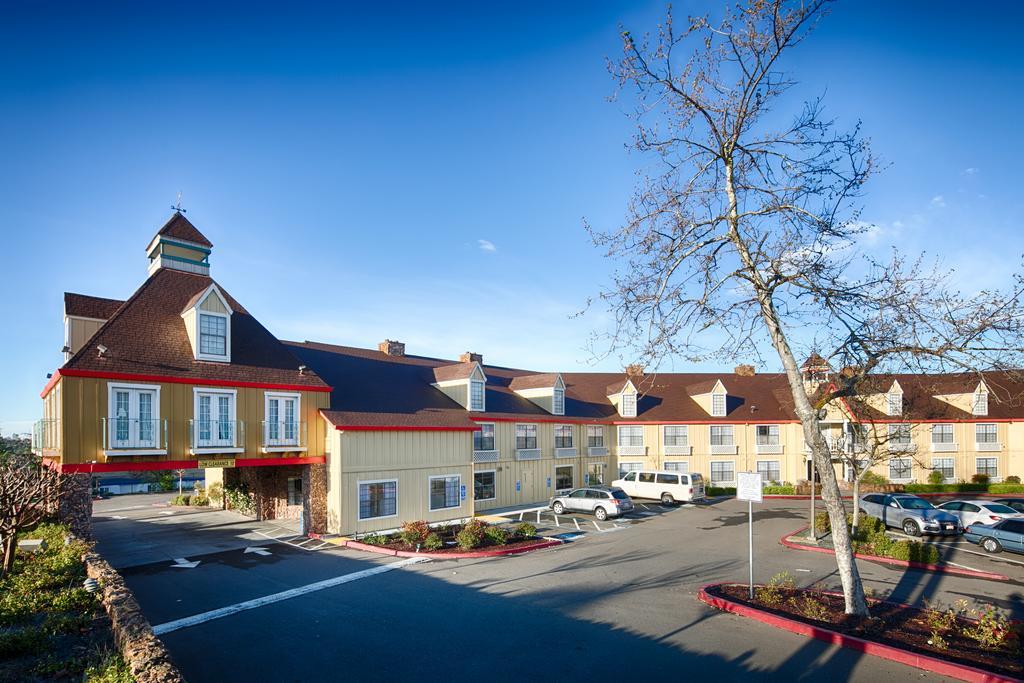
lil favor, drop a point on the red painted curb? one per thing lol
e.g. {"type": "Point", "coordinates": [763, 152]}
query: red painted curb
{"type": "Point", "coordinates": [962, 672]}
{"type": "Point", "coordinates": [948, 494]}
{"type": "Point", "coordinates": [540, 545]}
{"type": "Point", "coordinates": [924, 566]}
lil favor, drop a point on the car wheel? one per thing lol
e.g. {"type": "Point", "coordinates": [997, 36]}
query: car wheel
{"type": "Point", "coordinates": [558, 508]}
{"type": "Point", "coordinates": [667, 499]}
{"type": "Point", "coordinates": [910, 528]}
{"type": "Point", "coordinates": [600, 513]}
{"type": "Point", "coordinates": [991, 545]}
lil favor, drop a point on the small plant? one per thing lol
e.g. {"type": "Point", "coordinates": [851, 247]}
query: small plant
{"type": "Point", "coordinates": [414, 533]}
{"type": "Point", "coordinates": [812, 608]}
{"type": "Point", "coordinates": [979, 478]}
{"type": "Point", "coordinates": [376, 539]}
{"type": "Point", "coordinates": [822, 524]}
{"type": "Point", "coordinates": [215, 493]}
{"type": "Point", "coordinates": [199, 500]}
{"type": "Point", "coordinates": [935, 477]}
{"type": "Point", "coordinates": [525, 530]}
{"type": "Point", "coordinates": [775, 592]}
{"type": "Point", "coordinates": [873, 479]}
{"type": "Point", "coordinates": [240, 500]}
{"type": "Point", "coordinates": [941, 623]}
{"type": "Point", "coordinates": [993, 630]}
{"type": "Point", "coordinates": [433, 541]}
{"type": "Point", "coordinates": [496, 535]}
{"type": "Point", "coordinates": [472, 534]}
{"type": "Point", "coordinates": [181, 499]}
{"type": "Point", "coordinates": [1012, 479]}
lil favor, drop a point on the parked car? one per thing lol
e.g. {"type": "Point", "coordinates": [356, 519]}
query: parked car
{"type": "Point", "coordinates": [979, 511]}
{"type": "Point", "coordinates": [912, 514]}
{"type": "Point", "coordinates": [1005, 535]}
{"type": "Point", "coordinates": [603, 501]}
{"type": "Point", "coordinates": [668, 487]}
{"type": "Point", "coordinates": [1016, 503]}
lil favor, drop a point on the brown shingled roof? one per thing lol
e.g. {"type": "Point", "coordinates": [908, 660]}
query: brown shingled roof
{"type": "Point", "coordinates": [447, 373]}
{"type": "Point", "coordinates": [180, 227]}
{"type": "Point", "coordinates": [544, 380]}
{"type": "Point", "coordinates": [85, 306]}
{"type": "Point", "coordinates": [147, 336]}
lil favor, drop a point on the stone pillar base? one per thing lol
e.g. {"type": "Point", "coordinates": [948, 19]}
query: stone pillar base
{"type": "Point", "coordinates": [314, 499]}
{"type": "Point", "coordinates": [75, 507]}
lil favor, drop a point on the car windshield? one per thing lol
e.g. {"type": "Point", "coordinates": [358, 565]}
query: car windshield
{"type": "Point", "coordinates": [620, 494]}
{"type": "Point", "coordinates": [1000, 509]}
{"type": "Point", "coordinates": [914, 504]}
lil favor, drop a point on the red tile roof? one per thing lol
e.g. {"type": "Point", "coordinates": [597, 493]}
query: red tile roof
{"type": "Point", "coordinates": [180, 227]}
{"type": "Point", "coordinates": [85, 306]}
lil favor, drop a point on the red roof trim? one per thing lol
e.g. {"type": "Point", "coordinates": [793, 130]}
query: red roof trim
{"type": "Point", "coordinates": [528, 419]}
{"type": "Point", "coordinates": [49, 385]}
{"type": "Point", "coordinates": [71, 372]}
{"type": "Point", "coordinates": [707, 422]}
{"type": "Point", "coordinates": [402, 428]}
{"type": "Point", "coordinates": [89, 468]}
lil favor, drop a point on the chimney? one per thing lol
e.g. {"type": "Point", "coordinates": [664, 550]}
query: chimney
{"type": "Point", "coordinates": [391, 347]}
{"type": "Point", "coordinates": [470, 357]}
{"type": "Point", "coordinates": [745, 371]}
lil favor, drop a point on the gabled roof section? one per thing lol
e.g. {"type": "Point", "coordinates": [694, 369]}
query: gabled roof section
{"type": "Point", "coordinates": [708, 386]}
{"type": "Point", "coordinates": [85, 306]}
{"type": "Point", "coordinates": [544, 380]}
{"type": "Point", "coordinates": [146, 336]}
{"type": "Point", "coordinates": [459, 371]}
{"type": "Point", "coordinates": [202, 295]}
{"type": "Point", "coordinates": [620, 386]}
{"type": "Point", "coordinates": [181, 228]}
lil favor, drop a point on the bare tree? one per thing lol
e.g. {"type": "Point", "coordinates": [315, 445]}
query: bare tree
{"type": "Point", "coordinates": [745, 235]}
{"type": "Point", "coordinates": [29, 492]}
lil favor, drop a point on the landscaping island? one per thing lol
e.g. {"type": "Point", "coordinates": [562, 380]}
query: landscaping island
{"type": "Point", "coordinates": [473, 538]}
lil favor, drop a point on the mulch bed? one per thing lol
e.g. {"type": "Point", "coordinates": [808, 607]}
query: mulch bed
{"type": "Point", "coordinates": [890, 624]}
{"type": "Point", "coordinates": [448, 549]}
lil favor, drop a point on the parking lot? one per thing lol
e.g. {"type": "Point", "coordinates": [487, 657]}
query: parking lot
{"type": "Point", "coordinates": [622, 598]}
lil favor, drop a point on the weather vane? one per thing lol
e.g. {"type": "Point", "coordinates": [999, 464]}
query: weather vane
{"type": "Point", "coordinates": [177, 206]}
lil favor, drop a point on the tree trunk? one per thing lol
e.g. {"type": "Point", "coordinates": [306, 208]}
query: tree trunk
{"type": "Point", "coordinates": [10, 545]}
{"type": "Point", "coordinates": [856, 503]}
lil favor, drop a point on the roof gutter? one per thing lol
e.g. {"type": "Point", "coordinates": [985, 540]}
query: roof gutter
{"type": "Point", "coordinates": [71, 372]}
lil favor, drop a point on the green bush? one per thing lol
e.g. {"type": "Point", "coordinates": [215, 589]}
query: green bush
{"type": "Point", "coordinates": [181, 499]}
{"type": "Point", "coordinates": [525, 530]}
{"type": "Point", "coordinates": [1012, 479]}
{"type": "Point", "coordinates": [822, 523]}
{"type": "Point", "coordinates": [873, 479]}
{"type": "Point", "coordinates": [241, 500]}
{"type": "Point", "coordinates": [215, 493]}
{"type": "Point", "coordinates": [780, 490]}
{"type": "Point", "coordinates": [112, 669]}
{"type": "Point", "coordinates": [496, 535]}
{"type": "Point", "coordinates": [376, 539]}
{"type": "Point", "coordinates": [199, 500]}
{"type": "Point", "coordinates": [1007, 487]}
{"type": "Point", "coordinates": [414, 533]}
{"type": "Point", "coordinates": [472, 534]}
{"type": "Point", "coordinates": [776, 591]}
{"type": "Point", "coordinates": [714, 491]}
{"type": "Point", "coordinates": [433, 541]}
{"type": "Point", "coordinates": [979, 478]}
{"type": "Point", "coordinates": [935, 477]}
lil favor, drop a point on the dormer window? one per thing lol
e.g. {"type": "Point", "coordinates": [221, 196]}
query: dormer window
{"type": "Point", "coordinates": [895, 403]}
{"type": "Point", "coordinates": [718, 405]}
{"type": "Point", "coordinates": [980, 405]}
{"type": "Point", "coordinates": [628, 405]}
{"type": "Point", "coordinates": [207, 319]}
{"type": "Point", "coordinates": [558, 402]}
{"type": "Point", "coordinates": [213, 334]}
{"type": "Point", "coordinates": [476, 395]}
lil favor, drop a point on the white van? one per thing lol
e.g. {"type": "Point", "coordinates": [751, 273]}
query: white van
{"type": "Point", "coordinates": [669, 487]}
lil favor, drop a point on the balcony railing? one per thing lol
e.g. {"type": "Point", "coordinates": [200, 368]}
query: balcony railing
{"type": "Point", "coordinates": [527, 454]}
{"type": "Point", "coordinates": [46, 435]}
{"type": "Point", "coordinates": [943, 447]}
{"type": "Point", "coordinates": [988, 446]}
{"type": "Point", "coordinates": [597, 451]}
{"type": "Point", "coordinates": [216, 435]}
{"type": "Point", "coordinates": [485, 456]}
{"type": "Point", "coordinates": [677, 449]}
{"type": "Point", "coordinates": [769, 448]}
{"type": "Point", "coordinates": [133, 434]}
{"type": "Point", "coordinates": [632, 450]}
{"type": "Point", "coordinates": [568, 452]}
{"type": "Point", "coordinates": [284, 436]}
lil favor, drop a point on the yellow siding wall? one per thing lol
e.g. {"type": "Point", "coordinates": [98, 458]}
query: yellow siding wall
{"type": "Point", "coordinates": [80, 331]}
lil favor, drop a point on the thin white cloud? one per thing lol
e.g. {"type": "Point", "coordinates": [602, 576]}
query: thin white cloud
{"type": "Point", "coordinates": [971, 170]}
{"type": "Point", "coordinates": [486, 245]}
{"type": "Point", "coordinates": [938, 202]}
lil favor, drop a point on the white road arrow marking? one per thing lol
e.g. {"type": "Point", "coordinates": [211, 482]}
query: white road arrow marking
{"type": "Point", "coordinates": [167, 512]}
{"type": "Point", "coordinates": [183, 563]}
{"type": "Point", "coordinates": [117, 517]}
{"type": "Point", "coordinates": [257, 550]}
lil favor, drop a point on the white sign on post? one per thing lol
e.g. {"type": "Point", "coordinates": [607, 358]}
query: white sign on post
{"type": "Point", "coordinates": [748, 488]}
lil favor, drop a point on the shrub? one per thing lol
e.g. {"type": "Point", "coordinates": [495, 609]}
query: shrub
{"type": "Point", "coordinates": [525, 530]}
{"type": "Point", "coordinates": [215, 492]}
{"type": "Point", "coordinates": [935, 477]}
{"type": "Point", "coordinates": [979, 478]}
{"type": "Point", "coordinates": [780, 490]}
{"type": "Point", "coordinates": [1012, 479]}
{"type": "Point", "coordinates": [241, 500]}
{"type": "Point", "coordinates": [812, 608]}
{"type": "Point", "coordinates": [181, 499]}
{"type": "Point", "coordinates": [414, 533]}
{"type": "Point", "coordinates": [433, 541]}
{"type": "Point", "coordinates": [776, 590]}
{"type": "Point", "coordinates": [376, 539]}
{"type": "Point", "coordinates": [199, 500]}
{"type": "Point", "coordinates": [496, 535]}
{"type": "Point", "coordinates": [472, 534]}
{"type": "Point", "coordinates": [822, 524]}
{"type": "Point", "coordinates": [993, 630]}
{"type": "Point", "coordinates": [873, 479]}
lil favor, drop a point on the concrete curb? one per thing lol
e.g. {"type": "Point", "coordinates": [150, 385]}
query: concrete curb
{"type": "Point", "coordinates": [144, 653]}
{"type": "Point", "coordinates": [539, 545]}
{"type": "Point", "coordinates": [924, 566]}
{"type": "Point", "coordinates": [942, 667]}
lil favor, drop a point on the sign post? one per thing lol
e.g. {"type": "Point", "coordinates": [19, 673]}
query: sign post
{"type": "Point", "coordinates": [749, 488]}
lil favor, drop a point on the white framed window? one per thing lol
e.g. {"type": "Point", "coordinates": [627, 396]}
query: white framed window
{"type": "Point", "coordinates": [563, 436]}
{"type": "Point", "coordinates": [682, 466]}
{"type": "Point", "coordinates": [563, 477]}
{"type": "Point", "coordinates": [214, 330]}
{"type": "Point", "coordinates": [476, 395]}
{"type": "Point", "coordinates": [484, 485]}
{"type": "Point", "coordinates": [943, 465]}
{"type": "Point", "coordinates": [718, 405]}
{"type": "Point", "coordinates": [989, 466]}
{"type": "Point", "coordinates": [723, 471]}
{"type": "Point", "coordinates": [628, 405]}
{"type": "Point", "coordinates": [134, 416]}
{"type": "Point", "coordinates": [770, 470]}
{"type": "Point", "coordinates": [627, 467]}
{"type": "Point", "coordinates": [483, 437]}
{"type": "Point", "coordinates": [281, 424]}
{"type": "Point", "coordinates": [899, 434]}
{"type": "Point", "coordinates": [767, 435]}
{"type": "Point", "coordinates": [895, 403]}
{"type": "Point", "coordinates": [985, 433]}
{"type": "Point", "coordinates": [980, 405]}
{"type": "Point", "coordinates": [526, 436]}
{"type": "Point", "coordinates": [631, 435]}
{"type": "Point", "coordinates": [558, 402]}
{"type": "Point", "coordinates": [444, 491]}
{"type": "Point", "coordinates": [900, 469]}
{"type": "Point", "coordinates": [295, 490]}
{"type": "Point", "coordinates": [378, 499]}
{"type": "Point", "coordinates": [595, 436]}
{"type": "Point", "coordinates": [676, 435]}
{"type": "Point", "coordinates": [721, 435]}
{"type": "Point", "coordinates": [214, 424]}
{"type": "Point", "coordinates": [942, 433]}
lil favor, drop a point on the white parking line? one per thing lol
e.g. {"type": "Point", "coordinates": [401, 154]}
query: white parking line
{"type": "Point", "coordinates": [196, 619]}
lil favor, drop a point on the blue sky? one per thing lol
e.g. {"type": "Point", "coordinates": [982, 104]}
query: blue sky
{"type": "Point", "coordinates": [422, 172]}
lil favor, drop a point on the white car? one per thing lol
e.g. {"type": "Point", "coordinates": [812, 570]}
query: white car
{"type": "Point", "coordinates": [980, 511]}
{"type": "Point", "coordinates": [668, 487]}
